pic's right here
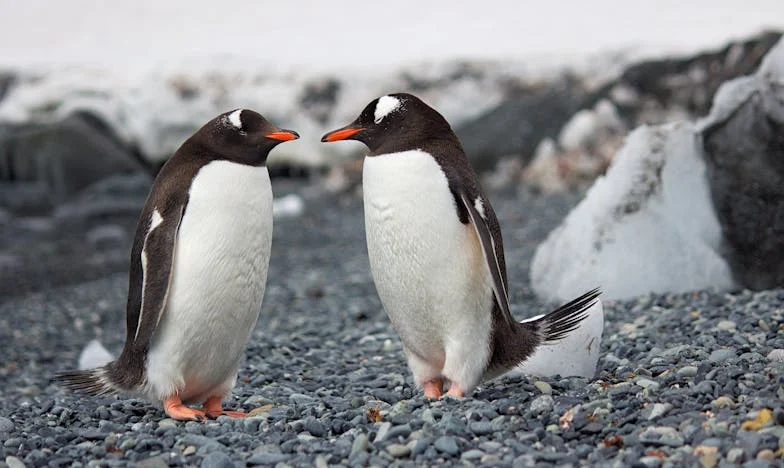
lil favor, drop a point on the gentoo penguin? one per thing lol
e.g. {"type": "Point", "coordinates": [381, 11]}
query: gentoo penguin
{"type": "Point", "coordinates": [198, 271]}
{"type": "Point", "coordinates": [436, 253]}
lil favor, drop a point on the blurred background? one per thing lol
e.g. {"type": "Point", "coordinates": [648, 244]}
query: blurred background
{"type": "Point", "coordinates": [95, 96]}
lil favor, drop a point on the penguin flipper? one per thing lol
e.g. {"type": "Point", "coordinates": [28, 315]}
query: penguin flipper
{"type": "Point", "coordinates": [157, 257]}
{"type": "Point", "coordinates": [491, 255]}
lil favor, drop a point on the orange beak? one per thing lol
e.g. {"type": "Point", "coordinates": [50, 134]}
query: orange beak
{"type": "Point", "coordinates": [283, 135]}
{"type": "Point", "coordinates": [341, 134]}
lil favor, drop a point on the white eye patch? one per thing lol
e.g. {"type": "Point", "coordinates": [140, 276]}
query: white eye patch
{"type": "Point", "coordinates": [385, 106]}
{"type": "Point", "coordinates": [235, 118]}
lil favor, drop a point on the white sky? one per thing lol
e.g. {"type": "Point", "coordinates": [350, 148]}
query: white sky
{"type": "Point", "coordinates": [334, 33]}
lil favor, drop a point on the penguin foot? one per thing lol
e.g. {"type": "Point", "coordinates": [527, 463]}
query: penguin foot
{"type": "Point", "coordinates": [176, 410]}
{"type": "Point", "coordinates": [213, 408]}
{"type": "Point", "coordinates": [455, 391]}
{"type": "Point", "coordinates": [434, 389]}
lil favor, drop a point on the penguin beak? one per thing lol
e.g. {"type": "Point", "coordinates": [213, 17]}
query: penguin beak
{"type": "Point", "coordinates": [283, 135]}
{"type": "Point", "coordinates": [341, 134]}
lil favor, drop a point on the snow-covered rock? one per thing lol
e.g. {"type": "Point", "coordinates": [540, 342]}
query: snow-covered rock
{"type": "Point", "coordinates": [94, 355]}
{"type": "Point", "coordinates": [647, 225]}
{"type": "Point", "coordinates": [574, 355]}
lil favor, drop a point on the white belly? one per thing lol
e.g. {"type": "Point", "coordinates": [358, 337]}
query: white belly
{"type": "Point", "coordinates": [219, 276]}
{"type": "Point", "coordinates": [428, 267]}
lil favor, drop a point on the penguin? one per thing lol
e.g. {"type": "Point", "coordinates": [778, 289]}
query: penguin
{"type": "Point", "coordinates": [436, 253]}
{"type": "Point", "coordinates": [198, 271]}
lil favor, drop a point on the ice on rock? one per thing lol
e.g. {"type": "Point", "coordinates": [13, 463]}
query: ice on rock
{"type": "Point", "coordinates": [94, 355]}
{"type": "Point", "coordinates": [648, 225]}
{"type": "Point", "coordinates": [575, 355]}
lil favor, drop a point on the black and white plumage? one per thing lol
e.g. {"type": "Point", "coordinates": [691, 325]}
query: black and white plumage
{"type": "Point", "coordinates": [198, 270]}
{"type": "Point", "coordinates": [436, 252]}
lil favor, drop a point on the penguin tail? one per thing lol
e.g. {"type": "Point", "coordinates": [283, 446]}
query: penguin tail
{"type": "Point", "coordinates": [565, 319]}
{"type": "Point", "coordinates": [94, 382]}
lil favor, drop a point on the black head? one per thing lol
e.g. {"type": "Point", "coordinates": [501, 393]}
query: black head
{"type": "Point", "coordinates": [242, 136]}
{"type": "Point", "coordinates": [395, 122]}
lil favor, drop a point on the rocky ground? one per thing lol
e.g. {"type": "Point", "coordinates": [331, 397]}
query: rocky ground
{"type": "Point", "coordinates": [687, 379]}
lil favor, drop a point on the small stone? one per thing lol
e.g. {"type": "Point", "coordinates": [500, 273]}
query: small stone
{"type": "Point", "coordinates": [736, 455]}
{"type": "Point", "coordinates": [14, 462]}
{"type": "Point", "coordinates": [301, 399]}
{"type": "Point", "coordinates": [543, 387]}
{"type": "Point", "coordinates": [315, 427]}
{"type": "Point", "coordinates": [490, 446]}
{"type": "Point", "coordinates": [767, 455]}
{"type": "Point", "coordinates": [383, 429]}
{"type": "Point", "coordinates": [647, 384]}
{"type": "Point", "coordinates": [447, 444]}
{"type": "Point", "coordinates": [6, 425]}
{"type": "Point", "coordinates": [777, 355]}
{"type": "Point", "coordinates": [321, 462]}
{"type": "Point", "coordinates": [719, 356]}
{"type": "Point", "coordinates": [427, 416]}
{"type": "Point", "coordinates": [189, 450]}
{"type": "Point", "coordinates": [659, 410]}
{"type": "Point", "coordinates": [472, 454]}
{"type": "Point", "coordinates": [359, 445]}
{"type": "Point", "coordinates": [541, 404]}
{"type": "Point", "coordinates": [154, 462]}
{"type": "Point", "coordinates": [398, 450]}
{"type": "Point", "coordinates": [481, 428]}
{"type": "Point", "coordinates": [217, 460]}
{"type": "Point", "coordinates": [267, 458]}
{"type": "Point", "coordinates": [418, 446]}
{"type": "Point", "coordinates": [687, 371]}
{"type": "Point", "coordinates": [726, 325]}
{"type": "Point", "coordinates": [167, 422]}
{"type": "Point", "coordinates": [723, 402]}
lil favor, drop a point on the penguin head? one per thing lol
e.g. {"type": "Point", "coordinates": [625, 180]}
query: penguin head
{"type": "Point", "coordinates": [243, 136]}
{"type": "Point", "coordinates": [395, 122]}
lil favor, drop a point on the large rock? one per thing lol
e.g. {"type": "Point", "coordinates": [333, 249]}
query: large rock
{"type": "Point", "coordinates": [43, 165]}
{"type": "Point", "coordinates": [517, 125]}
{"type": "Point", "coordinates": [744, 146]}
{"type": "Point", "coordinates": [648, 225]}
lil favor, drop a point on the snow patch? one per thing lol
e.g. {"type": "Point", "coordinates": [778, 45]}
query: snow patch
{"type": "Point", "coordinates": [94, 355]}
{"type": "Point", "coordinates": [575, 355]}
{"type": "Point", "coordinates": [647, 226]}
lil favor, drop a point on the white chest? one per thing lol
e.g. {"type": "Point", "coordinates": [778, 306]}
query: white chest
{"type": "Point", "coordinates": [219, 277]}
{"type": "Point", "coordinates": [427, 265]}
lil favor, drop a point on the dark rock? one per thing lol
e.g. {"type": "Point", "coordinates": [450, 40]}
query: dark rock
{"type": "Point", "coordinates": [745, 158]}
{"type": "Point", "coordinates": [517, 125]}
{"type": "Point", "coordinates": [43, 165]}
{"type": "Point", "coordinates": [217, 460]}
{"type": "Point", "coordinates": [7, 80]}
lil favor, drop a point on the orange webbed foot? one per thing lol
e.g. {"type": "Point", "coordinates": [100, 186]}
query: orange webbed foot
{"type": "Point", "coordinates": [434, 389]}
{"type": "Point", "coordinates": [455, 391]}
{"type": "Point", "coordinates": [176, 410]}
{"type": "Point", "coordinates": [213, 408]}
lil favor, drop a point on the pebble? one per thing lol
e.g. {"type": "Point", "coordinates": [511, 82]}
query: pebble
{"type": "Point", "coordinates": [383, 429]}
{"type": "Point", "coordinates": [6, 425]}
{"type": "Point", "coordinates": [659, 410]}
{"type": "Point", "coordinates": [776, 356]}
{"type": "Point", "coordinates": [723, 402]}
{"type": "Point", "coordinates": [541, 404]}
{"type": "Point", "coordinates": [14, 462]}
{"type": "Point", "coordinates": [767, 455]}
{"type": "Point", "coordinates": [167, 422]}
{"type": "Point", "coordinates": [398, 450]}
{"type": "Point", "coordinates": [726, 325]}
{"type": "Point", "coordinates": [359, 445]}
{"type": "Point", "coordinates": [481, 428]}
{"type": "Point", "coordinates": [472, 454]}
{"type": "Point", "coordinates": [719, 356]}
{"type": "Point", "coordinates": [543, 387]}
{"type": "Point", "coordinates": [447, 444]}
{"type": "Point", "coordinates": [267, 458]}
{"type": "Point", "coordinates": [736, 455]}
{"type": "Point", "coordinates": [217, 460]}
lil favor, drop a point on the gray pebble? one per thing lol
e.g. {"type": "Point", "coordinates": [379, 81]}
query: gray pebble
{"type": "Point", "coordinates": [14, 462]}
{"type": "Point", "coordinates": [541, 404]}
{"type": "Point", "coordinates": [267, 458]}
{"type": "Point", "coordinates": [776, 355]}
{"type": "Point", "coordinates": [481, 428]}
{"type": "Point", "coordinates": [447, 444]}
{"type": "Point", "coordinates": [398, 450]}
{"type": "Point", "coordinates": [6, 425]}
{"type": "Point", "coordinates": [719, 356]}
{"type": "Point", "coordinates": [472, 454]}
{"type": "Point", "coordinates": [359, 445]}
{"type": "Point", "coordinates": [217, 460]}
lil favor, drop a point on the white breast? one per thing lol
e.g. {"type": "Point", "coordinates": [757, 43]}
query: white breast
{"type": "Point", "coordinates": [219, 276]}
{"type": "Point", "coordinates": [427, 265]}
